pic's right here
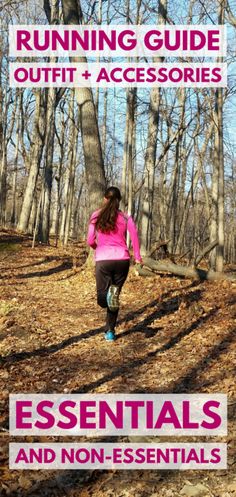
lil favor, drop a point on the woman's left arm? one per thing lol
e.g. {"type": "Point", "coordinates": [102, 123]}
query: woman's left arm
{"type": "Point", "coordinates": [91, 237]}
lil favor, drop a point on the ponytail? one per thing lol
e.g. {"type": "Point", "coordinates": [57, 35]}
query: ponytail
{"type": "Point", "coordinates": [107, 216]}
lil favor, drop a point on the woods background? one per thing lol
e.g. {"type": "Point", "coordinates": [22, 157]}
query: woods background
{"type": "Point", "coordinates": [171, 150]}
{"type": "Point", "coordinates": [173, 154]}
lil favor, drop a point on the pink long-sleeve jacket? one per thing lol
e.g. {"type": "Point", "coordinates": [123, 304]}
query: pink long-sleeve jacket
{"type": "Point", "coordinates": [113, 246]}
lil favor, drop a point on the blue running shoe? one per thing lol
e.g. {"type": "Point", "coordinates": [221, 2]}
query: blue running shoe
{"type": "Point", "coordinates": [110, 336]}
{"type": "Point", "coordinates": [113, 298]}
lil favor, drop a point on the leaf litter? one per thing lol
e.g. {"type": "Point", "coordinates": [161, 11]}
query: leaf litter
{"type": "Point", "coordinates": [174, 336]}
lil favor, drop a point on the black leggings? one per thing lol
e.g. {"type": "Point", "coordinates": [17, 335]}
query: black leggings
{"type": "Point", "coordinates": [108, 273]}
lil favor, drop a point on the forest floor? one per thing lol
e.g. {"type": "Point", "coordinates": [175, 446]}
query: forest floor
{"type": "Point", "coordinates": [174, 335]}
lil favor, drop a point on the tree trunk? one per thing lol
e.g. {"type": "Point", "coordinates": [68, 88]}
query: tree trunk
{"type": "Point", "coordinates": [58, 179]}
{"type": "Point", "coordinates": [94, 167]}
{"type": "Point", "coordinates": [3, 185]}
{"type": "Point", "coordinates": [217, 221]}
{"type": "Point", "coordinates": [97, 93]}
{"type": "Point", "coordinates": [2, 177]}
{"type": "Point", "coordinates": [104, 125]}
{"type": "Point", "coordinates": [48, 168]}
{"type": "Point", "coordinates": [131, 110]}
{"type": "Point", "coordinates": [36, 154]}
{"type": "Point", "coordinates": [220, 206]}
{"type": "Point", "coordinates": [71, 185]}
{"type": "Point", "coordinates": [67, 180]}
{"type": "Point", "coordinates": [150, 156]}
{"type": "Point", "coordinates": [76, 210]}
{"type": "Point", "coordinates": [125, 158]}
{"type": "Point", "coordinates": [14, 177]}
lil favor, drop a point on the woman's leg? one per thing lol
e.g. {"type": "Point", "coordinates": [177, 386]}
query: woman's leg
{"type": "Point", "coordinates": [103, 274]}
{"type": "Point", "coordinates": [108, 273]}
{"type": "Point", "coordinates": [119, 275]}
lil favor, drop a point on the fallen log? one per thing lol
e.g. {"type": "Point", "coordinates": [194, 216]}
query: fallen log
{"type": "Point", "coordinates": [187, 272]}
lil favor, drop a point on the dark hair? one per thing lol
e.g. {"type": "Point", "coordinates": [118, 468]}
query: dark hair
{"type": "Point", "coordinates": [107, 216]}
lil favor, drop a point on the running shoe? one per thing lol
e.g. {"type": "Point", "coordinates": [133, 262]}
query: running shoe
{"type": "Point", "coordinates": [113, 298]}
{"type": "Point", "coordinates": [110, 336]}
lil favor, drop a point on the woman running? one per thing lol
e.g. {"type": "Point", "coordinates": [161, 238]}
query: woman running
{"type": "Point", "coordinates": [107, 231]}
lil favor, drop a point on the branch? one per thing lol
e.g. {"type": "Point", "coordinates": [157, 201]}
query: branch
{"type": "Point", "coordinates": [47, 10]}
{"type": "Point", "coordinates": [158, 245]}
{"type": "Point", "coordinates": [204, 252]}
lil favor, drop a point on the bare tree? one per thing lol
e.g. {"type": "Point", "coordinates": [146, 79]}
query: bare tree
{"type": "Point", "coordinates": [150, 156]}
{"type": "Point", "coordinates": [94, 167]}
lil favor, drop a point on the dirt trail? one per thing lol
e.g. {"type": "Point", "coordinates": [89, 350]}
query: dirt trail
{"type": "Point", "coordinates": [174, 335]}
